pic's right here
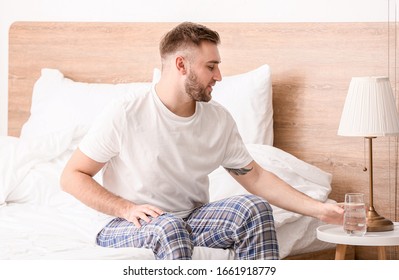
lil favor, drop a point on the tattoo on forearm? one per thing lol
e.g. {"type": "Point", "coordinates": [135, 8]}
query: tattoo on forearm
{"type": "Point", "coordinates": [238, 171]}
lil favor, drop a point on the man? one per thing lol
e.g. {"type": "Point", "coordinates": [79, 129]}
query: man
{"type": "Point", "coordinates": [157, 150]}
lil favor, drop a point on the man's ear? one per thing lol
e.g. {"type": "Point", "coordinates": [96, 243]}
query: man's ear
{"type": "Point", "coordinates": [181, 65]}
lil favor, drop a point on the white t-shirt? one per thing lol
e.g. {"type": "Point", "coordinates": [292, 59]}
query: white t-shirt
{"type": "Point", "coordinates": [154, 156]}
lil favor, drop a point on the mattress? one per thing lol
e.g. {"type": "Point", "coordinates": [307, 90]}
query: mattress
{"type": "Point", "coordinates": [39, 221]}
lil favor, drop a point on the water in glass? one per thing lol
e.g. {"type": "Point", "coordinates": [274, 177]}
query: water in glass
{"type": "Point", "coordinates": [355, 214]}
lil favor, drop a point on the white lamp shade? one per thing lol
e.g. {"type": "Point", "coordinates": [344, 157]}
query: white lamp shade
{"type": "Point", "coordinates": [369, 109]}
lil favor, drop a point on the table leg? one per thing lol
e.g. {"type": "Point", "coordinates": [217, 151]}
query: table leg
{"type": "Point", "coordinates": [340, 252]}
{"type": "Point", "coordinates": [381, 253]}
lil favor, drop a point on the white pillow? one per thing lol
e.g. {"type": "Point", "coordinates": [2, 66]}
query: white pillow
{"type": "Point", "coordinates": [8, 148]}
{"type": "Point", "coordinates": [303, 176]}
{"type": "Point", "coordinates": [22, 158]}
{"type": "Point", "coordinates": [58, 103]}
{"type": "Point", "coordinates": [248, 97]}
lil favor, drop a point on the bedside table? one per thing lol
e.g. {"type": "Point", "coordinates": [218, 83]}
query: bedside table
{"type": "Point", "coordinates": [335, 234]}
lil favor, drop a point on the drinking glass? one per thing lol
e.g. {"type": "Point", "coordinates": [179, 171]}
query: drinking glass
{"type": "Point", "coordinates": [355, 214]}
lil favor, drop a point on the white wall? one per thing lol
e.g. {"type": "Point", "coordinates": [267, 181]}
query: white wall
{"type": "Point", "coordinates": [176, 11]}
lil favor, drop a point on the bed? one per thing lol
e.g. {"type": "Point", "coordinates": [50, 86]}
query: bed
{"type": "Point", "coordinates": [61, 75]}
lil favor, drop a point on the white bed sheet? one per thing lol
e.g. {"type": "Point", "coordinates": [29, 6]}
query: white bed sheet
{"type": "Point", "coordinates": [45, 232]}
{"type": "Point", "coordinates": [39, 221]}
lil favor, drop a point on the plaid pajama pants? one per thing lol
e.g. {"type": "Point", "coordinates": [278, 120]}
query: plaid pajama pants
{"type": "Point", "coordinates": [243, 223]}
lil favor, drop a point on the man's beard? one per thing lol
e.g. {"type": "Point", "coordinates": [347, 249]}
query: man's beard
{"type": "Point", "coordinates": [195, 90]}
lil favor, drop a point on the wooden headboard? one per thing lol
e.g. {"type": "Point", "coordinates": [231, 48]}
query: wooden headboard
{"type": "Point", "coordinates": [312, 64]}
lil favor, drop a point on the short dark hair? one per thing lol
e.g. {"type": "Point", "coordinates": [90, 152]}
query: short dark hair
{"type": "Point", "coordinates": [184, 35]}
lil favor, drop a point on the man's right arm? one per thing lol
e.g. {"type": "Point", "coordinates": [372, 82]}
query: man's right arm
{"type": "Point", "coordinates": [77, 180]}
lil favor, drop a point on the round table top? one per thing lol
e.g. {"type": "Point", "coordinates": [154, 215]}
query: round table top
{"type": "Point", "coordinates": [336, 234]}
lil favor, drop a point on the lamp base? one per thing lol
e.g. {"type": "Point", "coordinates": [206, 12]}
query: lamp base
{"type": "Point", "coordinates": [376, 223]}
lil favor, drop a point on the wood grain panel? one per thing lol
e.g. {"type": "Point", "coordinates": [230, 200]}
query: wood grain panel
{"type": "Point", "coordinates": [312, 64]}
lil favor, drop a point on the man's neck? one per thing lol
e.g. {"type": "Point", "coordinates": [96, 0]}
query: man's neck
{"type": "Point", "coordinates": [177, 101]}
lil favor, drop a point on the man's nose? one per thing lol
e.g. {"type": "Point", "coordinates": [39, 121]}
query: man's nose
{"type": "Point", "coordinates": [218, 75]}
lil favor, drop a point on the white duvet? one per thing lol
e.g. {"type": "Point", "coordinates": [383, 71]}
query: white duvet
{"type": "Point", "coordinates": [39, 221]}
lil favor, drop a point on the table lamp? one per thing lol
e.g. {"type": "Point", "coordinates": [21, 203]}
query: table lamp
{"type": "Point", "coordinates": [369, 112]}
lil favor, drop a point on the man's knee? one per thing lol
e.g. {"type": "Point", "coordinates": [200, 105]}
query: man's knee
{"type": "Point", "coordinates": [172, 238]}
{"type": "Point", "coordinates": [171, 227]}
{"type": "Point", "coordinates": [255, 205]}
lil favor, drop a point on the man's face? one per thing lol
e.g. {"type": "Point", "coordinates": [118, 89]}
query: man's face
{"type": "Point", "coordinates": [195, 89]}
{"type": "Point", "coordinates": [203, 72]}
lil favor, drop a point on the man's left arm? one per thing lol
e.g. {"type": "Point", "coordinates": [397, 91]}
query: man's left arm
{"type": "Point", "coordinates": [265, 184]}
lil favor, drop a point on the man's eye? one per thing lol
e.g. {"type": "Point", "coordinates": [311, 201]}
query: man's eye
{"type": "Point", "coordinates": [211, 67]}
